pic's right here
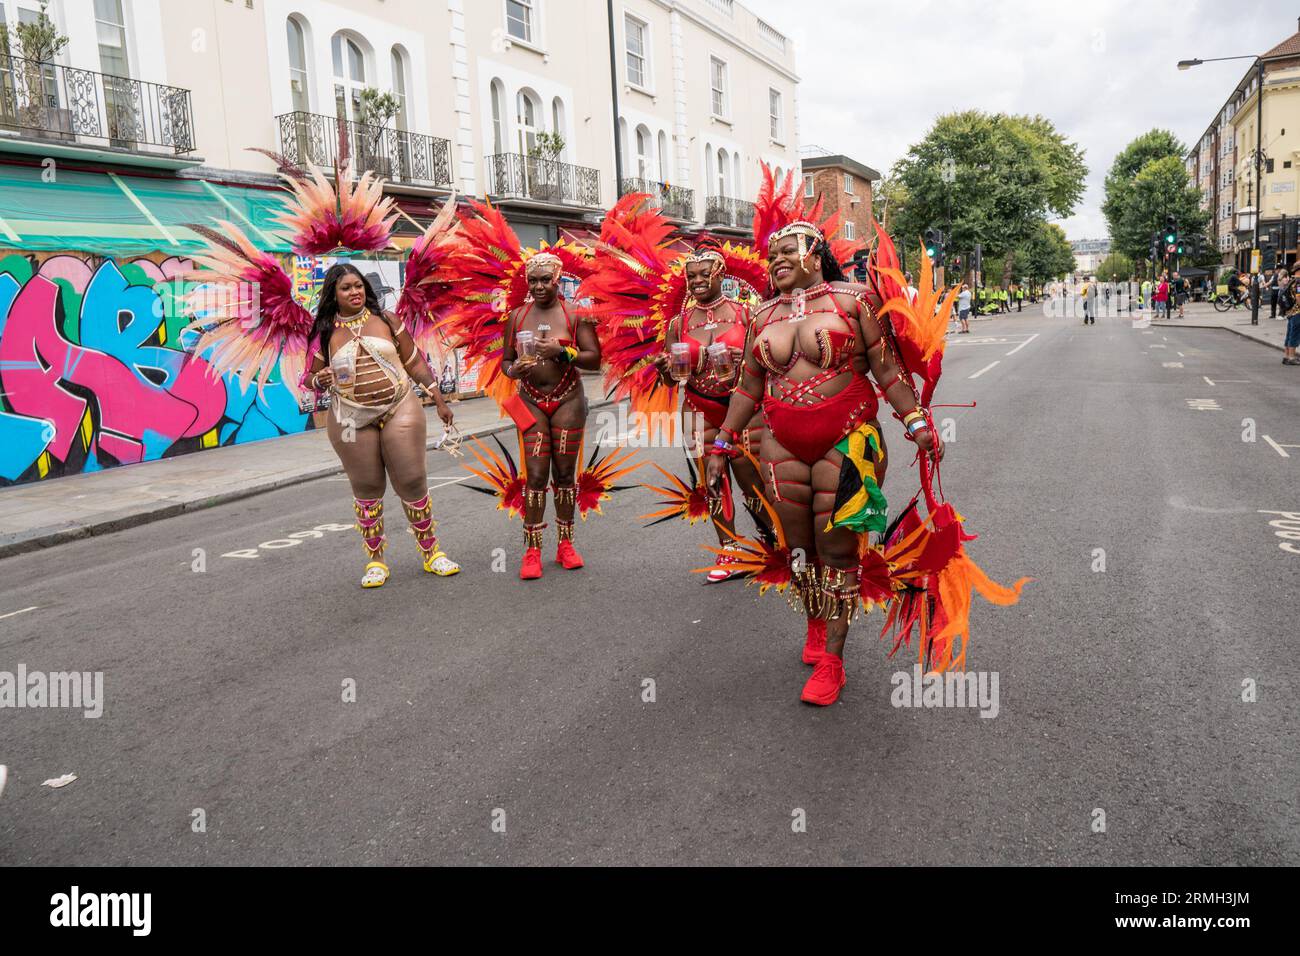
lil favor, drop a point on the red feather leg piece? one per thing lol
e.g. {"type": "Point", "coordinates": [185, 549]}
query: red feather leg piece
{"type": "Point", "coordinates": [502, 477]}
{"type": "Point", "coordinates": [596, 481]}
{"type": "Point", "coordinates": [765, 564]}
{"type": "Point", "coordinates": [245, 311]}
{"type": "Point", "coordinates": [681, 499]}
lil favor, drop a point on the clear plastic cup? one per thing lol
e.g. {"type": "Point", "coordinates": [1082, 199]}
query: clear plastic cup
{"type": "Point", "coordinates": [527, 342]}
{"type": "Point", "coordinates": [679, 361]}
{"type": "Point", "coordinates": [724, 362]}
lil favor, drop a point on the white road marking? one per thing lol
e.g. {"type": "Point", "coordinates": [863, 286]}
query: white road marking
{"type": "Point", "coordinates": [983, 370]}
{"type": "Point", "coordinates": [1172, 364]}
{"type": "Point", "coordinates": [1181, 355]}
{"type": "Point", "coordinates": [1204, 405]}
{"type": "Point", "coordinates": [1155, 346]}
{"type": "Point", "coordinates": [1277, 448]}
{"type": "Point", "coordinates": [1023, 344]}
{"type": "Point", "coordinates": [16, 613]}
{"type": "Point", "coordinates": [443, 482]}
{"type": "Point", "coordinates": [1207, 380]}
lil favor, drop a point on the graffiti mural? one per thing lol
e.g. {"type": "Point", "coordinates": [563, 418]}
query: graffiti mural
{"type": "Point", "coordinates": [94, 371]}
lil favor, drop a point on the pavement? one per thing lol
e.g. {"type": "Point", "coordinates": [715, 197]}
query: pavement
{"type": "Point", "coordinates": [627, 713]}
{"type": "Point", "coordinates": [40, 514]}
{"type": "Point", "coordinates": [1201, 315]}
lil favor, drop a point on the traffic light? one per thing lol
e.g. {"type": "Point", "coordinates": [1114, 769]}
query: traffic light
{"type": "Point", "coordinates": [932, 243]}
{"type": "Point", "coordinates": [1171, 231]}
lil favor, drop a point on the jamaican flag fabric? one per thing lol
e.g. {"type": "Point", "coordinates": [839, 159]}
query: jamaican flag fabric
{"type": "Point", "coordinates": [859, 503]}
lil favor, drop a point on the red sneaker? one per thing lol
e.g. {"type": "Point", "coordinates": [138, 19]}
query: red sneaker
{"type": "Point", "coordinates": [814, 646]}
{"type": "Point", "coordinates": [532, 565]}
{"type": "Point", "coordinates": [567, 555]}
{"type": "Point", "coordinates": [823, 687]}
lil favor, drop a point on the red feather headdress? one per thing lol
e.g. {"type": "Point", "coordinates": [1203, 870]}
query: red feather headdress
{"type": "Point", "coordinates": [638, 286]}
{"type": "Point", "coordinates": [780, 205]}
{"type": "Point", "coordinates": [488, 279]}
{"type": "Point", "coordinates": [325, 216]}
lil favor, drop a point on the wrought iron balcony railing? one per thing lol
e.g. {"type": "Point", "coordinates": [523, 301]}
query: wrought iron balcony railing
{"type": "Point", "coordinates": [677, 202]}
{"type": "Point", "coordinates": [57, 102]}
{"type": "Point", "coordinates": [725, 211]}
{"type": "Point", "coordinates": [397, 155]}
{"type": "Point", "coordinates": [545, 180]}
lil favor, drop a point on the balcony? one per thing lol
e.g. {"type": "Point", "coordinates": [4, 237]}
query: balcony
{"type": "Point", "coordinates": [399, 156]}
{"type": "Point", "coordinates": [57, 103]}
{"type": "Point", "coordinates": [723, 211]}
{"type": "Point", "coordinates": [516, 176]}
{"type": "Point", "coordinates": [676, 202]}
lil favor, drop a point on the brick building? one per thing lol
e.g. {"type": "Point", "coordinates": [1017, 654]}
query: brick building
{"type": "Point", "coordinates": [844, 186]}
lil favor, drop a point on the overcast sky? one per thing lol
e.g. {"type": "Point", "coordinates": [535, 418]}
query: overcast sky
{"type": "Point", "coordinates": [875, 75]}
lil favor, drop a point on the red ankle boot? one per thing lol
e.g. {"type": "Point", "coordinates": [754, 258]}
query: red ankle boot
{"type": "Point", "coordinates": [531, 568]}
{"type": "Point", "coordinates": [565, 553]}
{"type": "Point", "coordinates": [827, 678]}
{"type": "Point", "coordinates": [814, 646]}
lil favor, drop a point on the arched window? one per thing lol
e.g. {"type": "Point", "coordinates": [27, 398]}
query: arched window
{"type": "Point", "coordinates": [665, 165]}
{"type": "Point", "coordinates": [349, 75]}
{"type": "Point", "coordinates": [708, 167]}
{"type": "Point", "coordinates": [644, 161]}
{"type": "Point", "coordinates": [498, 117]}
{"type": "Point", "coordinates": [527, 115]}
{"type": "Point", "coordinates": [399, 86]}
{"type": "Point", "coordinates": [557, 122]}
{"type": "Point", "coordinates": [298, 82]}
{"type": "Point", "coordinates": [622, 144]}
{"type": "Point", "coordinates": [736, 186]}
{"type": "Point", "coordinates": [724, 173]}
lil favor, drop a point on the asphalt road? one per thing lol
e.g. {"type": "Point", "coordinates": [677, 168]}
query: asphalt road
{"type": "Point", "coordinates": [483, 699]}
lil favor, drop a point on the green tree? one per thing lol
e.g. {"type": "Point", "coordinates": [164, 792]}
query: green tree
{"type": "Point", "coordinates": [1160, 189]}
{"type": "Point", "coordinates": [1147, 182]}
{"type": "Point", "coordinates": [1044, 255]}
{"type": "Point", "coordinates": [997, 178]}
{"type": "Point", "coordinates": [1115, 267]}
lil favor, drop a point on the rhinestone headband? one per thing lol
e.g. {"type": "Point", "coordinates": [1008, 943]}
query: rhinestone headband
{"type": "Point", "coordinates": [800, 227]}
{"type": "Point", "coordinates": [707, 255]}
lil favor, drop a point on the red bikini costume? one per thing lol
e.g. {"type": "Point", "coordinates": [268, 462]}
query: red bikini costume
{"type": "Point", "coordinates": [712, 402]}
{"type": "Point", "coordinates": [569, 382]}
{"type": "Point", "coordinates": [798, 416]}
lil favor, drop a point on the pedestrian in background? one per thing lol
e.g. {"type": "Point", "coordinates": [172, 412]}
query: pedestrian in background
{"type": "Point", "coordinates": [1179, 290]}
{"type": "Point", "coordinates": [912, 291]}
{"type": "Point", "coordinates": [1090, 300]}
{"type": "Point", "coordinates": [1274, 284]}
{"type": "Point", "coordinates": [1290, 296]}
{"type": "Point", "coordinates": [1161, 297]}
{"type": "Point", "coordinates": [963, 309]}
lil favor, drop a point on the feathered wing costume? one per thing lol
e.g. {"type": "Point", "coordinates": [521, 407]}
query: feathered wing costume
{"type": "Point", "coordinates": [257, 321]}
{"type": "Point", "coordinates": [489, 281]}
{"type": "Point", "coordinates": [921, 576]}
{"type": "Point", "coordinates": [637, 288]}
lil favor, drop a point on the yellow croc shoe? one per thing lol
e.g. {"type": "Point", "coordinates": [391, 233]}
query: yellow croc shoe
{"type": "Point", "coordinates": [438, 563]}
{"type": "Point", "coordinates": [376, 575]}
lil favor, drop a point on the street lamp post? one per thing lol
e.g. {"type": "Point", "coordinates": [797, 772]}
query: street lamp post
{"type": "Point", "coordinates": [1259, 160]}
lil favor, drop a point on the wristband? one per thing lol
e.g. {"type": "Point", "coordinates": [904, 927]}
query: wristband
{"type": "Point", "coordinates": [917, 426]}
{"type": "Point", "coordinates": [568, 355]}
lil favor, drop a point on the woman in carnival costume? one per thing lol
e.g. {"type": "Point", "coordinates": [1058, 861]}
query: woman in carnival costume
{"type": "Point", "coordinates": [365, 358]}
{"type": "Point", "coordinates": [652, 300]}
{"type": "Point", "coordinates": [822, 457]}
{"type": "Point", "coordinates": [516, 326]}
